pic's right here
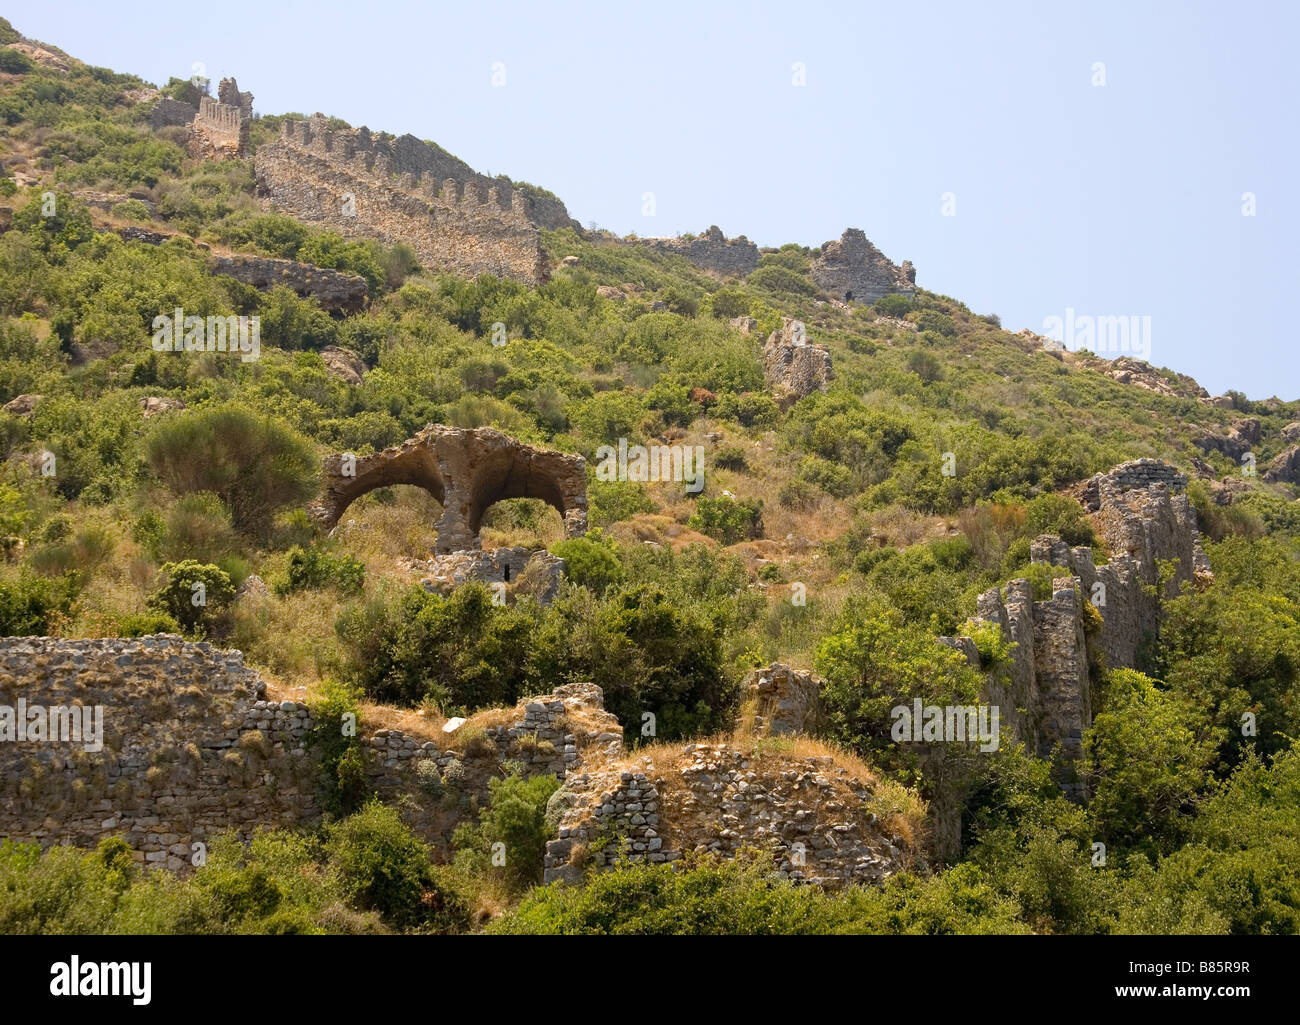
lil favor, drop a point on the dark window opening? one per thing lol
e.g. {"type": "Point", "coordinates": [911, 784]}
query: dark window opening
{"type": "Point", "coordinates": [507, 578]}
{"type": "Point", "coordinates": [848, 297]}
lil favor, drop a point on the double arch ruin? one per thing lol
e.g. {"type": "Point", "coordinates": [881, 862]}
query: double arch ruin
{"type": "Point", "coordinates": [466, 470]}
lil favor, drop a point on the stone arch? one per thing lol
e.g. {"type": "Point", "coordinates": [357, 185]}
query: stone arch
{"type": "Point", "coordinates": [465, 469]}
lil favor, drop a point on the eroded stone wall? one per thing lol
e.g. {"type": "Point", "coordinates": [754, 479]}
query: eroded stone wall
{"type": "Point", "coordinates": [712, 251]}
{"type": "Point", "coordinates": [855, 270]}
{"type": "Point", "coordinates": [190, 747]}
{"type": "Point", "coordinates": [403, 191]}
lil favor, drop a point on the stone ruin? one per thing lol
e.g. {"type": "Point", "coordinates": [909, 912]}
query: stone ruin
{"type": "Point", "coordinates": [854, 270]}
{"type": "Point", "coordinates": [466, 470]}
{"type": "Point", "coordinates": [220, 129]}
{"type": "Point", "coordinates": [794, 368]}
{"type": "Point", "coordinates": [192, 746]}
{"type": "Point", "coordinates": [402, 190]}
{"type": "Point", "coordinates": [712, 251]}
{"type": "Point", "coordinates": [821, 823]}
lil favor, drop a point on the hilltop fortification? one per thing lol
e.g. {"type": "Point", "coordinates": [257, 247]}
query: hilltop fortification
{"type": "Point", "coordinates": [856, 271]}
{"type": "Point", "coordinates": [405, 191]}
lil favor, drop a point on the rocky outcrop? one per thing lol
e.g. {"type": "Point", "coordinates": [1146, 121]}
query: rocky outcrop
{"type": "Point", "coordinates": [1285, 469]}
{"type": "Point", "coordinates": [745, 325]}
{"type": "Point", "coordinates": [855, 270]}
{"type": "Point", "coordinates": [23, 405]}
{"type": "Point", "coordinates": [153, 405]}
{"type": "Point", "coordinates": [780, 701]}
{"type": "Point", "coordinates": [712, 251]}
{"type": "Point", "coordinates": [344, 364]}
{"type": "Point", "coordinates": [1109, 611]}
{"type": "Point", "coordinates": [466, 470]}
{"type": "Point", "coordinates": [1127, 370]}
{"type": "Point", "coordinates": [337, 291]}
{"type": "Point", "coordinates": [793, 368]}
{"type": "Point", "coordinates": [1239, 439]}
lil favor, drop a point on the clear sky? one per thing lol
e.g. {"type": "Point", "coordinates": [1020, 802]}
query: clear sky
{"type": "Point", "coordinates": [1122, 199]}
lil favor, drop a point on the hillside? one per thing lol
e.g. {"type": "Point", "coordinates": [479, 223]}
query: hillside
{"type": "Point", "coordinates": [897, 501]}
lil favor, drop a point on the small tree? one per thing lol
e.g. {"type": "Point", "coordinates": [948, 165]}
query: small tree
{"type": "Point", "coordinates": [193, 594]}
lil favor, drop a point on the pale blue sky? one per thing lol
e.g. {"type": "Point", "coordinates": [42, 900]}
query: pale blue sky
{"type": "Point", "coordinates": [1124, 199]}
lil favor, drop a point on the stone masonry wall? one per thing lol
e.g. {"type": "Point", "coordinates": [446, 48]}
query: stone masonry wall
{"type": "Point", "coordinates": [353, 183]}
{"type": "Point", "coordinates": [816, 819]}
{"type": "Point", "coordinates": [712, 251]}
{"type": "Point", "coordinates": [793, 368]}
{"type": "Point", "coordinates": [854, 269]}
{"type": "Point", "coordinates": [191, 747]}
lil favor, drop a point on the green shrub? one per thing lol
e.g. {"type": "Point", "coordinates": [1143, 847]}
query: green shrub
{"type": "Point", "coordinates": [382, 866]}
{"type": "Point", "coordinates": [312, 569]}
{"type": "Point", "coordinates": [893, 305]}
{"type": "Point", "coordinates": [590, 561]}
{"type": "Point", "coordinates": [141, 624]}
{"type": "Point", "coordinates": [193, 594]}
{"type": "Point", "coordinates": [726, 520]}
{"type": "Point", "coordinates": [515, 819]}
{"type": "Point", "coordinates": [31, 605]}
{"type": "Point", "coordinates": [256, 465]}
{"type": "Point", "coordinates": [335, 737]}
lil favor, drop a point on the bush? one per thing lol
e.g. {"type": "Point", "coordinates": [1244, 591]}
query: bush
{"type": "Point", "coordinates": [198, 527]}
{"type": "Point", "coordinates": [142, 624]}
{"type": "Point", "coordinates": [381, 865]}
{"type": "Point", "coordinates": [515, 818]}
{"type": "Point", "coordinates": [728, 521]}
{"type": "Point", "coordinates": [256, 465]}
{"type": "Point", "coordinates": [30, 605]}
{"type": "Point", "coordinates": [194, 594]}
{"type": "Point", "coordinates": [334, 735]}
{"type": "Point", "coordinates": [590, 561]}
{"type": "Point", "coordinates": [893, 305]}
{"type": "Point", "coordinates": [312, 569]}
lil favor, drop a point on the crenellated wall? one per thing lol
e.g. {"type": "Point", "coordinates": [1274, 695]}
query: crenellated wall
{"type": "Point", "coordinates": [404, 191]}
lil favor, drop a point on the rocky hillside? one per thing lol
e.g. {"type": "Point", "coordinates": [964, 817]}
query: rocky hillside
{"type": "Point", "coordinates": [526, 553]}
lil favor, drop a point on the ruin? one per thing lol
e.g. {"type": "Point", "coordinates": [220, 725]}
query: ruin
{"type": "Point", "coordinates": [220, 129]}
{"type": "Point", "coordinates": [466, 470]}
{"type": "Point", "coordinates": [370, 185]}
{"type": "Point", "coordinates": [794, 368]}
{"type": "Point", "coordinates": [712, 251]}
{"type": "Point", "coordinates": [854, 270]}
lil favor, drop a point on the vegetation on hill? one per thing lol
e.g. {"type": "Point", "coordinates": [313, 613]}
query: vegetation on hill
{"type": "Point", "coordinates": [838, 498]}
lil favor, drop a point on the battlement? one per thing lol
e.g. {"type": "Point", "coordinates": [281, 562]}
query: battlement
{"type": "Point", "coordinates": [220, 129]}
{"type": "Point", "coordinates": [362, 183]}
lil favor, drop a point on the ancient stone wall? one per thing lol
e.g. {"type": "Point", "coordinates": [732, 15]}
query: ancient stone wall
{"type": "Point", "coordinates": [794, 368]}
{"type": "Point", "coordinates": [402, 191]}
{"type": "Point", "coordinates": [337, 291]}
{"type": "Point", "coordinates": [712, 251]}
{"type": "Point", "coordinates": [190, 747]}
{"type": "Point", "coordinates": [855, 270]}
{"type": "Point", "coordinates": [219, 130]}
{"type": "Point", "coordinates": [822, 825]}
{"type": "Point", "coordinates": [780, 701]}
